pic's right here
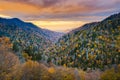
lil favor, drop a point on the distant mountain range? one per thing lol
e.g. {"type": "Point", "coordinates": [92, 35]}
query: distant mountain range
{"type": "Point", "coordinates": [94, 45]}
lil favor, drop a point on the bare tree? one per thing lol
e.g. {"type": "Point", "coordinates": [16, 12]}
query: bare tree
{"type": "Point", "coordinates": [8, 60]}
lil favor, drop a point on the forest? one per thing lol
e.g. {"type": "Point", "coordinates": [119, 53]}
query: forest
{"type": "Point", "coordinates": [91, 52]}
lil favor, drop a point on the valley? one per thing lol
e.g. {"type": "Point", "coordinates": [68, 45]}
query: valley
{"type": "Point", "coordinates": [88, 50]}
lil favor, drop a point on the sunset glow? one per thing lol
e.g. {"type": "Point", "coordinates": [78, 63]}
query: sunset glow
{"type": "Point", "coordinates": [5, 16]}
{"type": "Point", "coordinates": [59, 15]}
{"type": "Point", "coordinates": [60, 26]}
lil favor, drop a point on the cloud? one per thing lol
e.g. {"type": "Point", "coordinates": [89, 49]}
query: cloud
{"type": "Point", "coordinates": [59, 15]}
{"type": "Point", "coordinates": [59, 9]}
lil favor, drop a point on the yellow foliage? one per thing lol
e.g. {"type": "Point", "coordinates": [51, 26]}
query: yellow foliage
{"type": "Point", "coordinates": [95, 45]}
{"type": "Point", "coordinates": [111, 74]}
{"type": "Point", "coordinates": [83, 52]}
{"type": "Point", "coordinates": [101, 37]}
{"type": "Point", "coordinates": [64, 65]}
{"type": "Point", "coordinates": [63, 48]}
{"type": "Point", "coordinates": [82, 74]}
{"type": "Point", "coordinates": [51, 70]}
{"type": "Point", "coordinates": [76, 45]}
{"type": "Point", "coordinates": [92, 49]}
{"type": "Point", "coordinates": [9, 64]}
{"type": "Point", "coordinates": [77, 51]}
{"type": "Point", "coordinates": [26, 56]}
{"type": "Point", "coordinates": [5, 43]}
{"type": "Point", "coordinates": [79, 55]}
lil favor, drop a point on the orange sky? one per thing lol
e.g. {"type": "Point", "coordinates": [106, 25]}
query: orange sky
{"type": "Point", "coordinates": [59, 15]}
{"type": "Point", "coordinates": [28, 9]}
{"type": "Point", "coordinates": [60, 26]}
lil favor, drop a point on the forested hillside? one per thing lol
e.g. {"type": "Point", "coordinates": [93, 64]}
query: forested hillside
{"type": "Point", "coordinates": [95, 45]}
{"type": "Point", "coordinates": [27, 38]}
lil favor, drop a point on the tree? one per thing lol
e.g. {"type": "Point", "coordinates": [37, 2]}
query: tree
{"type": "Point", "coordinates": [5, 43]}
{"type": "Point", "coordinates": [111, 74]}
{"type": "Point", "coordinates": [61, 73]}
{"type": "Point", "coordinates": [32, 70]}
{"type": "Point", "coordinates": [8, 63]}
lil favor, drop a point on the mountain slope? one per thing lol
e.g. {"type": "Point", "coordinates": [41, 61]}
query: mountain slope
{"type": "Point", "coordinates": [26, 37]}
{"type": "Point", "coordinates": [52, 36]}
{"type": "Point", "coordinates": [94, 45]}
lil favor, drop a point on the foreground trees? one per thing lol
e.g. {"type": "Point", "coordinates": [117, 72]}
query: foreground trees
{"type": "Point", "coordinates": [111, 74]}
{"type": "Point", "coordinates": [8, 64]}
{"type": "Point", "coordinates": [12, 69]}
{"type": "Point", "coordinates": [8, 61]}
{"type": "Point", "coordinates": [32, 70]}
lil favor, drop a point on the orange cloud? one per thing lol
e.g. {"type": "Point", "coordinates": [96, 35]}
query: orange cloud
{"type": "Point", "coordinates": [61, 14]}
{"type": "Point", "coordinates": [18, 8]}
{"type": "Point", "coordinates": [49, 9]}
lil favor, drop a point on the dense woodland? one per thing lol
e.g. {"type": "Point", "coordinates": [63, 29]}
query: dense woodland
{"type": "Point", "coordinates": [95, 45]}
{"type": "Point", "coordinates": [91, 52]}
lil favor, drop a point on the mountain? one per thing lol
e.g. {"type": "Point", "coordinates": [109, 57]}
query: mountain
{"type": "Point", "coordinates": [52, 35]}
{"type": "Point", "coordinates": [84, 27]}
{"type": "Point", "coordinates": [27, 37]}
{"type": "Point", "coordinates": [94, 45]}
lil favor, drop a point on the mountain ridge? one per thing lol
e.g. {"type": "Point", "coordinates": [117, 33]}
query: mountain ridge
{"type": "Point", "coordinates": [51, 35]}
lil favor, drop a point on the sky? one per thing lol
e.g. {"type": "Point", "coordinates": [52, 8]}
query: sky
{"type": "Point", "coordinates": [59, 15]}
